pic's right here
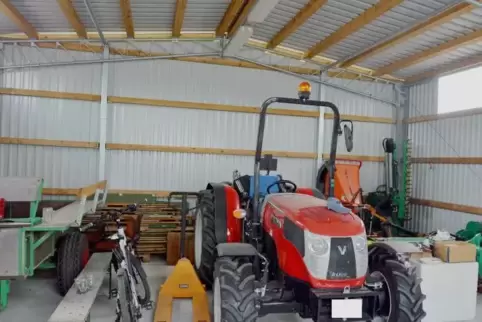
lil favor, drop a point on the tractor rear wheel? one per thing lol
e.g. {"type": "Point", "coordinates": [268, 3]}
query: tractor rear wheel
{"type": "Point", "coordinates": [234, 291]}
{"type": "Point", "coordinates": [205, 238]}
{"type": "Point", "coordinates": [72, 256]}
{"type": "Point", "coordinates": [402, 298]}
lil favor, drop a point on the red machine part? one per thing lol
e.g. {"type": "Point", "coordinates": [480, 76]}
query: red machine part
{"type": "Point", "coordinates": [308, 214]}
{"type": "Point", "coordinates": [2, 208]}
{"type": "Point", "coordinates": [233, 225]}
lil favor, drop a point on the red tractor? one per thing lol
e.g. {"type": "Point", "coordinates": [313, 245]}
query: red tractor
{"type": "Point", "coordinates": [266, 246]}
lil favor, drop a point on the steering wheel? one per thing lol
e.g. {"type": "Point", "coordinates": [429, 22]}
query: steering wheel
{"type": "Point", "coordinates": [291, 186]}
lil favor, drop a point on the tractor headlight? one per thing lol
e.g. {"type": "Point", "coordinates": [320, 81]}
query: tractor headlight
{"type": "Point", "coordinates": [318, 245]}
{"type": "Point", "coordinates": [360, 243]}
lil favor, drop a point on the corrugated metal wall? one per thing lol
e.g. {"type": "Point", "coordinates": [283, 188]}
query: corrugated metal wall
{"type": "Point", "coordinates": [451, 183]}
{"type": "Point", "coordinates": [44, 118]}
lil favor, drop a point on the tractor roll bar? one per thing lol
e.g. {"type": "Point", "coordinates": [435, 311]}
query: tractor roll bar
{"type": "Point", "coordinates": [259, 142]}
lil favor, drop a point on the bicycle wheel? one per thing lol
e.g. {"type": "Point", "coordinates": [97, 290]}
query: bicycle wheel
{"type": "Point", "coordinates": [142, 286]}
{"type": "Point", "coordinates": [125, 298]}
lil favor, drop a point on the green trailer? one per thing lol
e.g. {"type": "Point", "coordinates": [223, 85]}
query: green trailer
{"type": "Point", "coordinates": [54, 239]}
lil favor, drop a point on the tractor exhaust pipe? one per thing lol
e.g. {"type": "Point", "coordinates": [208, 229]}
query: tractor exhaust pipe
{"type": "Point", "coordinates": [303, 100]}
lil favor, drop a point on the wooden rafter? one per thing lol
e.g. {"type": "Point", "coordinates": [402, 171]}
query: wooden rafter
{"type": "Point", "coordinates": [429, 53]}
{"type": "Point", "coordinates": [243, 15]}
{"type": "Point", "coordinates": [298, 20]}
{"type": "Point", "coordinates": [71, 15]}
{"type": "Point", "coordinates": [448, 68]}
{"type": "Point", "coordinates": [446, 16]}
{"type": "Point", "coordinates": [178, 18]}
{"type": "Point", "coordinates": [229, 17]}
{"type": "Point", "coordinates": [127, 17]}
{"type": "Point", "coordinates": [13, 14]}
{"type": "Point", "coordinates": [353, 26]}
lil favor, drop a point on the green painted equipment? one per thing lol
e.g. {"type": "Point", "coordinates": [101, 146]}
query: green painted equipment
{"type": "Point", "coordinates": [30, 243]}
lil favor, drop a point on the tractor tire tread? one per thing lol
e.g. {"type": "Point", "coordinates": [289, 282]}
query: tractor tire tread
{"type": "Point", "coordinates": [208, 255]}
{"type": "Point", "coordinates": [237, 284]}
{"type": "Point", "coordinates": [408, 285]}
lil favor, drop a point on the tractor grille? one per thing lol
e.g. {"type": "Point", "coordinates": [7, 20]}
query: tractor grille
{"type": "Point", "coordinates": [342, 264]}
{"type": "Point", "coordinates": [341, 260]}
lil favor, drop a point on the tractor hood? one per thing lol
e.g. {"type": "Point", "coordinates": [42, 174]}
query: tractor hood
{"type": "Point", "coordinates": [311, 213]}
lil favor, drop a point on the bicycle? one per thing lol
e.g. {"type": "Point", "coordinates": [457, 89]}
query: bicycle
{"type": "Point", "coordinates": [130, 273]}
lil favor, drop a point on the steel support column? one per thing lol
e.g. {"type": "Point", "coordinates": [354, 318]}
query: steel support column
{"type": "Point", "coordinates": [103, 113]}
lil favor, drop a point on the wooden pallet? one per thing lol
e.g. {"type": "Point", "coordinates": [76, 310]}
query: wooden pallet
{"type": "Point", "coordinates": [156, 222]}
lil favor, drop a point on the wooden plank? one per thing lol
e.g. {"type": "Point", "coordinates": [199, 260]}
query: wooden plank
{"type": "Point", "coordinates": [91, 189]}
{"type": "Point", "coordinates": [354, 157]}
{"type": "Point", "coordinates": [430, 53]}
{"type": "Point", "coordinates": [353, 26]}
{"type": "Point", "coordinates": [301, 17]}
{"type": "Point", "coordinates": [16, 17]}
{"type": "Point", "coordinates": [127, 18]}
{"type": "Point", "coordinates": [45, 142]}
{"type": "Point", "coordinates": [447, 69]}
{"type": "Point", "coordinates": [229, 17]}
{"type": "Point", "coordinates": [448, 160]}
{"type": "Point", "coordinates": [178, 18]}
{"type": "Point", "coordinates": [241, 19]}
{"type": "Point", "coordinates": [174, 247]}
{"type": "Point", "coordinates": [208, 106]}
{"type": "Point", "coordinates": [444, 17]}
{"type": "Point", "coordinates": [361, 118]}
{"type": "Point", "coordinates": [59, 192]}
{"type": "Point", "coordinates": [50, 94]}
{"type": "Point", "coordinates": [444, 116]}
{"type": "Point", "coordinates": [71, 15]}
{"type": "Point", "coordinates": [199, 150]}
{"type": "Point", "coordinates": [447, 206]}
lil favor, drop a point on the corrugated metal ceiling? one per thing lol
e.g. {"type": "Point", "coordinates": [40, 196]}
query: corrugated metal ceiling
{"type": "Point", "coordinates": [205, 15]}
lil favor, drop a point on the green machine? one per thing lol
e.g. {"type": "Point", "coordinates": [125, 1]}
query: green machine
{"type": "Point", "coordinates": [473, 234]}
{"type": "Point", "coordinates": [391, 199]}
{"type": "Point", "coordinates": [30, 243]}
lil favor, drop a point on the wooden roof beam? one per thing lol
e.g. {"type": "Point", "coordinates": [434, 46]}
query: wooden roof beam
{"type": "Point", "coordinates": [229, 17]}
{"type": "Point", "coordinates": [447, 69]}
{"type": "Point", "coordinates": [69, 12]}
{"type": "Point", "coordinates": [178, 18]}
{"type": "Point", "coordinates": [353, 26]}
{"type": "Point", "coordinates": [127, 18]}
{"type": "Point", "coordinates": [16, 17]}
{"type": "Point", "coordinates": [437, 20]}
{"type": "Point", "coordinates": [430, 53]}
{"type": "Point", "coordinates": [243, 15]}
{"type": "Point", "coordinates": [301, 17]}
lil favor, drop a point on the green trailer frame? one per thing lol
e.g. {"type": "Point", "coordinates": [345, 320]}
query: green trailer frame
{"type": "Point", "coordinates": [29, 243]}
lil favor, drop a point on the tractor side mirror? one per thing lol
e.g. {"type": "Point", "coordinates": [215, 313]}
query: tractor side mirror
{"type": "Point", "coordinates": [348, 131]}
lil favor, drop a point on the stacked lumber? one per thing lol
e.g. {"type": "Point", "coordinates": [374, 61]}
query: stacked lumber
{"type": "Point", "coordinates": [157, 221]}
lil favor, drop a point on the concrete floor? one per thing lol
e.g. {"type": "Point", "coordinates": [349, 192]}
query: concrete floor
{"type": "Point", "coordinates": [35, 299]}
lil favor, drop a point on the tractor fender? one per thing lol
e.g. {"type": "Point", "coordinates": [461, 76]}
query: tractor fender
{"type": "Point", "coordinates": [236, 249]}
{"type": "Point", "coordinates": [228, 229]}
{"type": "Point", "coordinates": [393, 247]}
{"type": "Point", "coordinates": [311, 192]}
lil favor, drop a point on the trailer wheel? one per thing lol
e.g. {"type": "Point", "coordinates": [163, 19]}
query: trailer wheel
{"type": "Point", "coordinates": [401, 298]}
{"type": "Point", "coordinates": [205, 238]}
{"type": "Point", "coordinates": [72, 256]}
{"type": "Point", "coordinates": [234, 291]}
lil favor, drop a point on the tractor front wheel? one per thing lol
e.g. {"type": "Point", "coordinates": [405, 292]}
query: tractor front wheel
{"type": "Point", "coordinates": [72, 256]}
{"type": "Point", "coordinates": [234, 291]}
{"type": "Point", "coordinates": [401, 297]}
{"type": "Point", "coordinates": [205, 238]}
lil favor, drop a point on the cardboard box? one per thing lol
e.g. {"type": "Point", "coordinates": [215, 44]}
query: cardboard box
{"type": "Point", "coordinates": [455, 251]}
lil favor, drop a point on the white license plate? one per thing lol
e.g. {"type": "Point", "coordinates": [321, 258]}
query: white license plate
{"type": "Point", "coordinates": [346, 309]}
